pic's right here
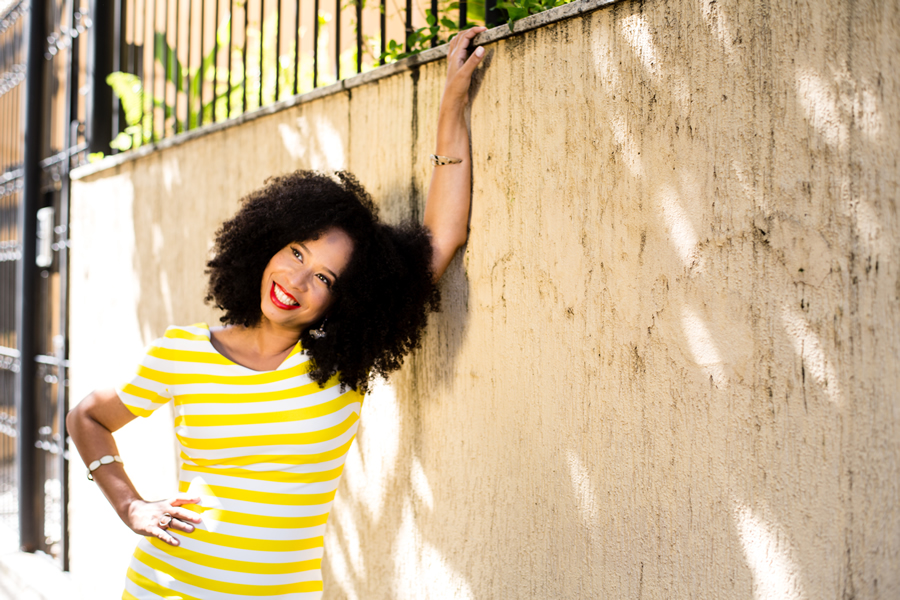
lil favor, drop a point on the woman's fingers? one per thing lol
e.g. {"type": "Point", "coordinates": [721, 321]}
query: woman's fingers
{"type": "Point", "coordinates": [161, 534]}
{"type": "Point", "coordinates": [461, 41]}
{"type": "Point", "coordinates": [184, 514]}
{"type": "Point", "coordinates": [460, 67]}
{"type": "Point", "coordinates": [177, 510]}
{"type": "Point", "coordinates": [184, 499]}
{"type": "Point", "coordinates": [159, 518]}
{"type": "Point", "coordinates": [472, 62]}
{"type": "Point", "coordinates": [470, 33]}
{"type": "Point", "coordinates": [467, 35]}
{"type": "Point", "coordinates": [181, 525]}
{"type": "Point", "coordinates": [181, 518]}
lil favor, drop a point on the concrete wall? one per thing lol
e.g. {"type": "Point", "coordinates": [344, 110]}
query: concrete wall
{"type": "Point", "coordinates": [666, 366]}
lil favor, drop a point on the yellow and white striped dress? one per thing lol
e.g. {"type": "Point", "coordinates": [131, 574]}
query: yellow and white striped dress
{"type": "Point", "coordinates": [264, 450]}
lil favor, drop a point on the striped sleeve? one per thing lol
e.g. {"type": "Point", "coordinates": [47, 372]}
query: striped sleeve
{"type": "Point", "coordinates": [149, 387]}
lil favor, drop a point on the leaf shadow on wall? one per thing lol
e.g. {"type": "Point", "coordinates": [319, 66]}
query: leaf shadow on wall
{"type": "Point", "coordinates": [713, 411]}
{"type": "Point", "coordinates": [741, 253]}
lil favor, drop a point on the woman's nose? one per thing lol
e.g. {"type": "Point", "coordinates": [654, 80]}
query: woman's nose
{"type": "Point", "coordinates": [299, 278]}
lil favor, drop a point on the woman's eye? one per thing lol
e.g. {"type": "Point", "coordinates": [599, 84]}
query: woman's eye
{"type": "Point", "coordinates": [297, 253]}
{"type": "Point", "coordinates": [325, 280]}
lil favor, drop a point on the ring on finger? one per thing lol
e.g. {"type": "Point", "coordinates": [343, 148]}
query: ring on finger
{"type": "Point", "coordinates": [164, 521]}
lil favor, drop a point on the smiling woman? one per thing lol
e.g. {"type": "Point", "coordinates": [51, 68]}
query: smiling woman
{"type": "Point", "coordinates": [307, 258]}
{"type": "Point", "coordinates": [318, 298]}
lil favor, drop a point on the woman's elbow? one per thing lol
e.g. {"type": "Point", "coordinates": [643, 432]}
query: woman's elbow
{"type": "Point", "coordinates": [83, 413]}
{"type": "Point", "coordinates": [448, 244]}
{"type": "Point", "coordinates": [75, 416]}
{"type": "Point", "coordinates": [459, 240]}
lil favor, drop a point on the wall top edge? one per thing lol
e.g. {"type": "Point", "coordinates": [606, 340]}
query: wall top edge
{"type": "Point", "coordinates": [554, 15]}
{"type": "Point", "coordinates": [7, 6]}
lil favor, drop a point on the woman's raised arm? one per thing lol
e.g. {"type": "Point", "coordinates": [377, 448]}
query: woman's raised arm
{"type": "Point", "coordinates": [449, 194]}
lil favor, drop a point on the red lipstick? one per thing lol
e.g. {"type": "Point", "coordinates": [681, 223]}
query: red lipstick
{"type": "Point", "coordinates": [274, 298]}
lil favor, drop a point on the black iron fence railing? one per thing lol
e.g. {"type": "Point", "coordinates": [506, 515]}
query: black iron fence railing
{"type": "Point", "coordinates": [179, 64]}
{"type": "Point", "coordinates": [12, 98]}
{"type": "Point", "coordinates": [43, 67]}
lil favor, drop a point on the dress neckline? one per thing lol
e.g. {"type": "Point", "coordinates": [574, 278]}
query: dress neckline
{"type": "Point", "coordinates": [294, 351]}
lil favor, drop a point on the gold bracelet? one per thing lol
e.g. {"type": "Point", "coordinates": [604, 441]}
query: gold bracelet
{"type": "Point", "coordinates": [444, 160]}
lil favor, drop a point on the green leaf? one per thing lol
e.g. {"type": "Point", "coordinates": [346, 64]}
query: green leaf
{"type": "Point", "coordinates": [223, 41]}
{"type": "Point", "coordinates": [175, 68]}
{"type": "Point", "coordinates": [121, 142]}
{"type": "Point", "coordinates": [128, 89]}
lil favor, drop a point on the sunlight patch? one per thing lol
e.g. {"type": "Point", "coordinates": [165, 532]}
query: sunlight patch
{"type": "Point", "coordinates": [420, 571]}
{"type": "Point", "coordinates": [768, 553]}
{"type": "Point", "coordinates": [372, 460]}
{"type": "Point", "coordinates": [703, 347]}
{"type": "Point", "coordinates": [582, 488]}
{"type": "Point", "coordinates": [811, 351]}
{"type": "Point", "coordinates": [637, 34]}
{"type": "Point", "coordinates": [343, 514]}
{"type": "Point", "coordinates": [681, 231]}
{"type": "Point", "coordinates": [819, 100]}
{"type": "Point", "coordinates": [420, 484]}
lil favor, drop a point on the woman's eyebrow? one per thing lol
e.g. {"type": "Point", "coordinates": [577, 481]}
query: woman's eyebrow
{"type": "Point", "coordinates": [305, 249]}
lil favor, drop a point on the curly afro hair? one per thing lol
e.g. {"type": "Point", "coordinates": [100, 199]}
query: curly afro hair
{"type": "Point", "coordinates": [382, 298]}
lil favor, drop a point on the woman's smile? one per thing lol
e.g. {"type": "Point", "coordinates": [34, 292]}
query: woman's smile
{"type": "Point", "coordinates": [297, 283]}
{"type": "Point", "coordinates": [282, 299]}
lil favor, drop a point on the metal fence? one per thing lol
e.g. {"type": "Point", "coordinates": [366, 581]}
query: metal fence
{"type": "Point", "coordinates": [181, 64]}
{"type": "Point", "coordinates": [42, 135]}
{"type": "Point", "coordinates": [12, 98]}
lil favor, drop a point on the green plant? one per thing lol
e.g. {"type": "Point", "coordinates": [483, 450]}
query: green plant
{"type": "Point", "coordinates": [140, 107]}
{"type": "Point", "coordinates": [474, 12]}
{"type": "Point", "coordinates": [420, 39]}
{"type": "Point", "coordinates": [128, 88]}
{"type": "Point", "coordinates": [229, 87]}
{"type": "Point", "coordinates": [519, 9]}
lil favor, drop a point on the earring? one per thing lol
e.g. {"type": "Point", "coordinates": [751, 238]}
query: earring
{"type": "Point", "coordinates": [319, 333]}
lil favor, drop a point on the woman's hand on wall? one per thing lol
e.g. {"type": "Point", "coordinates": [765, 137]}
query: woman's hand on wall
{"type": "Point", "coordinates": [460, 69]}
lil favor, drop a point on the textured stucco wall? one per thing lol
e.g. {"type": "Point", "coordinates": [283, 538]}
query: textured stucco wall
{"type": "Point", "coordinates": [666, 366]}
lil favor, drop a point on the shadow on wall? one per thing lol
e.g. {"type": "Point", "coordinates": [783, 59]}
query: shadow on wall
{"type": "Point", "coordinates": [774, 346]}
{"type": "Point", "coordinates": [724, 230]}
{"type": "Point", "coordinates": [374, 542]}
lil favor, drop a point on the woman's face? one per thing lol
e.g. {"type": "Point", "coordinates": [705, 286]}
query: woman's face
{"type": "Point", "coordinates": [297, 282]}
